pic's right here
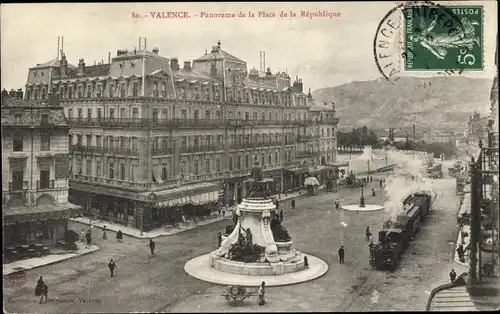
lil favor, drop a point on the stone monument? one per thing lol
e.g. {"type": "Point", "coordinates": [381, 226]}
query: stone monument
{"type": "Point", "coordinates": [258, 243]}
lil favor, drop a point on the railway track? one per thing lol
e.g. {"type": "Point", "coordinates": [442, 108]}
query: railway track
{"type": "Point", "coordinates": [360, 299]}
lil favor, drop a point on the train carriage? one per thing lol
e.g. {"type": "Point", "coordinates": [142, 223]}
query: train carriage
{"type": "Point", "coordinates": [395, 236]}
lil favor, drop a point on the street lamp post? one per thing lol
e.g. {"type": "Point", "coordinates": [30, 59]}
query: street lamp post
{"type": "Point", "coordinates": [362, 199]}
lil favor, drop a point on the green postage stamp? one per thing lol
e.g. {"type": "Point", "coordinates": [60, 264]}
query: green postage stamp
{"type": "Point", "coordinates": [444, 38]}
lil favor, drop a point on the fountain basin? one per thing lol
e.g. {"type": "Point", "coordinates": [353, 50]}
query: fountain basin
{"type": "Point", "coordinates": [257, 269]}
{"type": "Point", "coordinates": [357, 208]}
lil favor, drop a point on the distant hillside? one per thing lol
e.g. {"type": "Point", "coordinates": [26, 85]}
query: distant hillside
{"type": "Point", "coordinates": [428, 102]}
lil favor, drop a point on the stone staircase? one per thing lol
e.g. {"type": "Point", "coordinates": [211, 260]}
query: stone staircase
{"type": "Point", "coordinates": [454, 299]}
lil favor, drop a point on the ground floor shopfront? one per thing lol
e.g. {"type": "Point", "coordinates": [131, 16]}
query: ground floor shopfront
{"type": "Point", "coordinates": [42, 224]}
{"type": "Point", "coordinates": [32, 231]}
{"type": "Point", "coordinates": [146, 210]}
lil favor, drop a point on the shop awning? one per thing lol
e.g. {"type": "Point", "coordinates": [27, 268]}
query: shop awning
{"type": "Point", "coordinates": [199, 199]}
{"type": "Point", "coordinates": [299, 171]}
{"type": "Point", "coordinates": [192, 193]}
{"type": "Point", "coordinates": [22, 214]}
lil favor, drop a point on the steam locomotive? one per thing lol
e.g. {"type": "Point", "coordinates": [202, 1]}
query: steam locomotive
{"type": "Point", "coordinates": [396, 234]}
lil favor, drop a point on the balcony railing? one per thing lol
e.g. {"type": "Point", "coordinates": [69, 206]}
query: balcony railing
{"type": "Point", "coordinates": [192, 123]}
{"type": "Point", "coordinates": [200, 148]}
{"type": "Point", "coordinates": [254, 145]}
{"type": "Point", "coordinates": [305, 138]}
{"type": "Point", "coordinates": [306, 154]}
{"type": "Point", "coordinates": [104, 150]}
{"type": "Point", "coordinates": [44, 184]}
{"type": "Point", "coordinates": [18, 186]}
{"type": "Point", "coordinates": [162, 151]}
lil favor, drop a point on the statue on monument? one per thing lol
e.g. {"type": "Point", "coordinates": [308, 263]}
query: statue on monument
{"type": "Point", "coordinates": [258, 185]}
{"type": "Point", "coordinates": [280, 234]}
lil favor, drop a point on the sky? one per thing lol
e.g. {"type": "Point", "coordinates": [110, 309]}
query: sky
{"type": "Point", "coordinates": [324, 52]}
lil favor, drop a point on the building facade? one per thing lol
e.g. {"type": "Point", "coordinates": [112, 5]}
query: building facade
{"type": "Point", "coordinates": [149, 136]}
{"type": "Point", "coordinates": [35, 152]}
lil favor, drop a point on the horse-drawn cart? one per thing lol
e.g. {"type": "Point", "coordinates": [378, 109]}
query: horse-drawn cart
{"type": "Point", "coordinates": [235, 295]}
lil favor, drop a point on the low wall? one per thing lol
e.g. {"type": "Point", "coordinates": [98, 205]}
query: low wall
{"type": "Point", "coordinates": [255, 269]}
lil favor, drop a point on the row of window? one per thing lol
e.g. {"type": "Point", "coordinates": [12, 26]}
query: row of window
{"type": "Point", "coordinates": [18, 142]}
{"type": "Point", "coordinates": [44, 181]}
{"type": "Point", "coordinates": [123, 113]}
{"type": "Point", "coordinates": [123, 142]}
{"type": "Point", "coordinates": [234, 163]}
{"type": "Point", "coordinates": [159, 89]}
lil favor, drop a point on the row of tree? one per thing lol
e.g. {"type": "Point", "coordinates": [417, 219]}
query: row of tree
{"type": "Point", "coordinates": [357, 139]}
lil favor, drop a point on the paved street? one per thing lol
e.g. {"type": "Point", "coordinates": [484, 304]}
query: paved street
{"type": "Point", "coordinates": [159, 283]}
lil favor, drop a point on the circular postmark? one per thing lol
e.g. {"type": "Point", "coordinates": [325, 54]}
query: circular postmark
{"type": "Point", "coordinates": [17, 279]}
{"type": "Point", "coordinates": [420, 37]}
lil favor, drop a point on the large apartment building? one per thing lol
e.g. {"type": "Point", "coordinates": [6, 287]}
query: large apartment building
{"type": "Point", "coordinates": [148, 135]}
{"type": "Point", "coordinates": [35, 207]}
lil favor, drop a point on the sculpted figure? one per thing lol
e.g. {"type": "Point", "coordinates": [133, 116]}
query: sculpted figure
{"type": "Point", "coordinates": [280, 234]}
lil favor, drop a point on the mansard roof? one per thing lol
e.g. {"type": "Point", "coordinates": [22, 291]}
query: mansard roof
{"type": "Point", "coordinates": [52, 63]}
{"type": "Point", "coordinates": [218, 54]}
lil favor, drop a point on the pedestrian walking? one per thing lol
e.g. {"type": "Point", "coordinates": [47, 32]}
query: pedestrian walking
{"type": "Point", "coordinates": [281, 214]}
{"type": "Point", "coordinates": [341, 255]}
{"type": "Point", "coordinates": [337, 203]}
{"type": "Point", "coordinates": [277, 203]}
{"type": "Point", "coordinates": [119, 236]}
{"type": "Point", "coordinates": [45, 293]}
{"type": "Point", "coordinates": [293, 204]}
{"type": "Point", "coordinates": [104, 235]}
{"type": "Point", "coordinates": [152, 246]}
{"type": "Point", "coordinates": [219, 239]}
{"type": "Point", "coordinates": [262, 292]}
{"type": "Point", "coordinates": [220, 210]}
{"type": "Point", "coordinates": [373, 192]}
{"type": "Point", "coordinates": [380, 183]}
{"type": "Point", "coordinates": [88, 236]}
{"type": "Point", "coordinates": [453, 275]}
{"type": "Point", "coordinates": [38, 288]}
{"type": "Point", "coordinates": [112, 266]}
{"type": "Point", "coordinates": [368, 233]}
{"type": "Point", "coordinates": [224, 208]}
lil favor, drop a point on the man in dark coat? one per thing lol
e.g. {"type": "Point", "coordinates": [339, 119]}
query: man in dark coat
{"type": "Point", "coordinates": [337, 204]}
{"type": "Point", "coordinates": [219, 239]}
{"type": "Point", "coordinates": [41, 289]}
{"type": "Point", "coordinates": [281, 214]}
{"type": "Point", "coordinates": [453, 275]}
{"type": "Point", "coordinates": [152, 246]}
{"type": "Point", "coordinates": [293, 204]}
{"type": "Point", "coordinates": [88, 236]}
{"type": "Point", "coordinates": [367, 233]}
{"type": "Point", "coordinates": [112, 266]}
{"type": "Point", "coordinates": [341, 255]}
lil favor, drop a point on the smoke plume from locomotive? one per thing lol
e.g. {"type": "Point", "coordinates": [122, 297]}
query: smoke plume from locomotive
{"type": "Point", "coordinates": [407, 178]}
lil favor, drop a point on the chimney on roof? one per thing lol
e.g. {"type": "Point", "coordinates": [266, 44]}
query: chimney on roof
{"type": "Point", "coordinates": [95, 62]}
{"type": "Point", "coordinates": [268, 72]}
{"type": "Point", "coordinates": [174, 64]}
{"type": "Point", "coordinates": [19, 93]}
{"type": "Point", "coordinates": [81, 66]}
{"type": "Point", "coordinates": [156, 51]}
{"type": "Point", "coordinates": [63, 65]}
{"type": "Point", "coordinates": [187, 65]}
{"type": "Point", "coordinates": [109, 57]}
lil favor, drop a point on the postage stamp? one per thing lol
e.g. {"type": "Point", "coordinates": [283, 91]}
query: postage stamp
{"type": "Point", "coordinates": [433, 43]}
{"type": "Point", "coordinates": [426, 38]}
